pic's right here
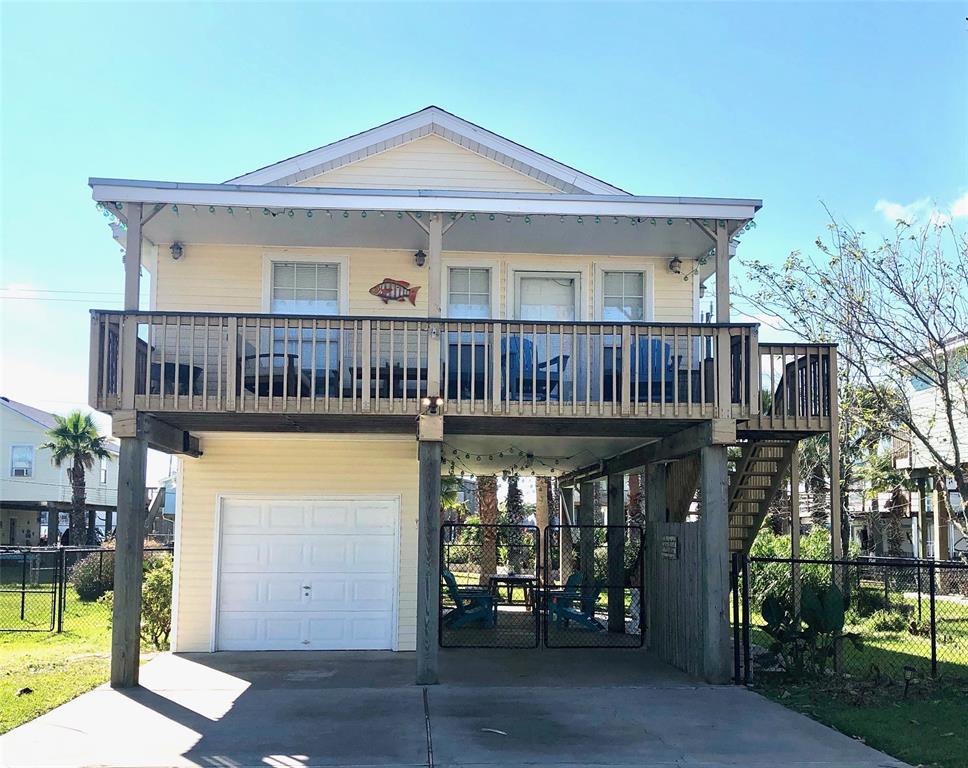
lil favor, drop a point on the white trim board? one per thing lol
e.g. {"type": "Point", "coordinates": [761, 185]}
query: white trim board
{"type": "Point", "coordinates": [310, 257]}
{"type": "Point", "coordinates": [428, 121]}
{"type": "Point", "coordinates": [647, 267]}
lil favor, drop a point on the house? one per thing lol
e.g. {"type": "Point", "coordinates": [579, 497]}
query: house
{"type": "Point", "coordinates": [35, 496]}
{"type": "Point", "coordinates": [935, 492]}
{"type": "Point", "coordinates": [327, 333]}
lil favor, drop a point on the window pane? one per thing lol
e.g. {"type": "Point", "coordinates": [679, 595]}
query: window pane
{"type": "Point", "coordinates": [613, 284]}
{"type": "Point", "coordinates": [283, 275]}
{"type": "Point", "coordinates": [458, 280]}
{"type": "Point", "coordinates": [306, 276]}
{"type": "Point", "coordinates": [633, 284]}
{"type": "Point", "coordinates": [477, 281]}
{"type": "Point", "coordinates": [327, 277]}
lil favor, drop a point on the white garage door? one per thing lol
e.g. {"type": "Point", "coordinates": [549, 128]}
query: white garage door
{"type": "Point", "coordinates": [312, 574]}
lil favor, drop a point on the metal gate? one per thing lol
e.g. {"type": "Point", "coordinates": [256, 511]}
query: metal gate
{"type": "Point", "coordinates": [592, 592]}
{"type": "Point", "coordinates": [507, 586]}
{"type": "Point", "coordinates": [489, 592]}
{"type": "Point", "coordinates": [30, 590]}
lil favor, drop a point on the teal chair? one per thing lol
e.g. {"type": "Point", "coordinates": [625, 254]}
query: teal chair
{"type": "Point", "coordinates": [471, 605]}
{"type": "Point", "coordinates": [574, 603]}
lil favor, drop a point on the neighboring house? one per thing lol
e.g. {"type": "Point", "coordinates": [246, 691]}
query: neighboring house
{"type": "Point", "coordinates": [431, 279]}
{"type": "Point", "coordinates": [935, 493]}
{"type": "Point", "coordinates": [34, 494]}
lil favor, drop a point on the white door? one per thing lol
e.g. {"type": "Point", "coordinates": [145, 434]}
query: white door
{"type": "Point", "coordinates": [546, 296]}
{"type": "Point", "coordinates": [307, 574]}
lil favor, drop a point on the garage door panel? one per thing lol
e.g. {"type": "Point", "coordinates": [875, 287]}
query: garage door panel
{"type": "Point", "coordinates": [343, 550]}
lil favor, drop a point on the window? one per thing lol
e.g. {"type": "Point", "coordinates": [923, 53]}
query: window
{"type": "Point", "coordinates": [104, 471]}
{"type": "Point", "coordinates": [22, 461]}
{"type": "Point", "coordinates": [304, 288]}
{"type": "Point", "coordinates": [623, 296]}
{"type": "Point", "coordinates": [469, 292]}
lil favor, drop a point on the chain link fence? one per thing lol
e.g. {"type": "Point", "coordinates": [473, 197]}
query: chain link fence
{"type": "Point", "coordinates": [593, 580]}
{"type": "Point", "coordinates": [58, 589]}
{"type": "Point", "coordinates": [870, 618]}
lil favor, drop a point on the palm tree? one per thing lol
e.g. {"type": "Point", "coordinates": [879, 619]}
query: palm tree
{"type": "Point", "coordinates": [75, 438]}
{"type": "Point", "coordinates": [487, 503]}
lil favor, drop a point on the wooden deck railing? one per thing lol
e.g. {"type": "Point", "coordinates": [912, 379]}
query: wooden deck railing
{"type": "Point", "coordinates": [247, 363]}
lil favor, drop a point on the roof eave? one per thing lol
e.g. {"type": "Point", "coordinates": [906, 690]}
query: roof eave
{"type": "Point", "coordinates": [130, 190]}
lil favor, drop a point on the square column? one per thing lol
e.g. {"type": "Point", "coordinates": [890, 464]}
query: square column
{"type": "Point", "coordinates": [714, 555]}
{"type": "Point", "coordinates": [430, 437]}
{"type": "Point", "coordinates": [128, 562]}
{"type": "Point", "coordinates": [616, 553]}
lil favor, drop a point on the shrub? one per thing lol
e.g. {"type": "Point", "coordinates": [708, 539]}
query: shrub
{"type": "Point", "coordinates": [888, 621]}
{"type": "Point", "coordinates": [93, 575]}
{"type": "Point", "coordinates": [156, 601]}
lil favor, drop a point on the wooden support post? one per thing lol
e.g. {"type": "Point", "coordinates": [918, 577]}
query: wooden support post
{"type": "Point", "coordinates": [922, 542]}
{"type": "Point", "coordinates": [132, 291]}
{"type": "Point", "coordinates": [836, 511]}
{"type": "Point", "coordinates": [616, 553]}
{"type": "Point", "coordinates": [541, 520]}
{"type": "Point", "coordinates": [128, 563]}
{"type": "Point", "coordinates": [722, 272]}
{"type": "Point", "coordinates": [795, 525]}
{"type": "Point", "coordinates": [716, 653]}
{"type": "Point", "coordinates": [586, 540]}
{"type": "Point", "coordinates": [566, 562]}
{"type": "Point", "coordinates": [434, 302]}
{"type": "Point", "coordinates": [428, 548]}
{"type": "Point", "coordinates": [656, 507]}
{"type": "Point", "coordinates": [108, 522]}
{"type": "Point", "coordinates": [939, 521]}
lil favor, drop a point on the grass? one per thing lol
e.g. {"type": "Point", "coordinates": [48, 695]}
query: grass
{"type": "Point", "coordinates": [926, 728]}
{"type": "Point", "coordinates": [57, 667]}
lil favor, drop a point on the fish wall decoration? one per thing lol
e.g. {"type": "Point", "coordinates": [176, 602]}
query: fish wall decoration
{"type": "Point", "coordinates": [395, 290]}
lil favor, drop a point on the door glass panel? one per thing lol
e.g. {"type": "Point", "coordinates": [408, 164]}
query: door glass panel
{"type": "Point", "coordinates": [546, 298]}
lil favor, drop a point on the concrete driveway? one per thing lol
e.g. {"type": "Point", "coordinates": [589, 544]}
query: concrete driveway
{"type": "Point", "coordinates": [524, 708]}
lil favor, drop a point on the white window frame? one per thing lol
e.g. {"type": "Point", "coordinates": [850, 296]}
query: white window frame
{"type": "Point", "coordinates": [493, 267]}
{"type": "Point", "coordinates": [580, 276]}
{"type": "Point", "coordinates": [104, 472]}
{"type": "Point", "coordinates": [648, 270]}
{"type": "Point", "coordinates": [341, 262]}
{"type": "Point", "coordinates": [33, 461]}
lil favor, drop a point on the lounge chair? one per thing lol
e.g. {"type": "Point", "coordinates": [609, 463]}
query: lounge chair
{"type": "Point", "coordinates": [471, 604]}
{"type": "Point", "coordinates": [574, 603]}
{"type": "Point", "coordinates": [524, 377]}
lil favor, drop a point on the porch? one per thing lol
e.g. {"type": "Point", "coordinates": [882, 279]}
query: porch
{"type": "Point", "coordinates": [194, 365]}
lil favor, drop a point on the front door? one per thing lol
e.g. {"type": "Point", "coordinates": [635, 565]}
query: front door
{"type": "Point", "coordinates": [551, 297]}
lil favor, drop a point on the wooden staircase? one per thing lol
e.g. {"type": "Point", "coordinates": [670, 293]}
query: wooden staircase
{"type": "Point", "coordinates": [759, 473]}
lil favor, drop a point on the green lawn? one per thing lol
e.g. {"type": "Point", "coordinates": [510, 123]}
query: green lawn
{"type": "Point", "coordinates": [927, 728]}
{"type": "Point", "coordinates": [57, 667]}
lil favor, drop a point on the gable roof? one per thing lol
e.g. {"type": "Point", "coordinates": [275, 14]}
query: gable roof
{"type": "Point", "coordinates": [428, 121]}
{"type": "Point", "coordinates": [43, 418]}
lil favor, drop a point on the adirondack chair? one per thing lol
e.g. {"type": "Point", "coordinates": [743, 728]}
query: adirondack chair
{"type": "Point", "coordinates": [524, 377]}
{"type": "Point", "coordinates": [471, 604]}
{"type": "Point", "coordinates": [574, 603]}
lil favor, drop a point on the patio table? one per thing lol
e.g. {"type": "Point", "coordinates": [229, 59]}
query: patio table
{"type": "Point", "coordinates": [510, 582]}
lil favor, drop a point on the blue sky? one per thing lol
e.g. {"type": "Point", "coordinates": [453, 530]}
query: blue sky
{"type": "Point", "coordinates": [863, 106]}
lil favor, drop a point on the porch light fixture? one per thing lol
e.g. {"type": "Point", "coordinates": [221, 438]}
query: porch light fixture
{"type": "Point", "coordinates": [177, 250]}
{"type": "Point", "coordinates": [432, 404]}
{"type": "Point", "coordinates": [675, 266]}
{"type": "Point", "coordinates": [420, 258]}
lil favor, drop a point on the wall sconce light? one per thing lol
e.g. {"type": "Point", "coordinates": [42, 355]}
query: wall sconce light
{"type": "Point", "coordinates": [675, 266]}
{"type": "Point", "coordinates": [177, 250]}
{"type": "Point", "coordinates": [432, 404]}
{"type": "Point", "coordinates": [702, 290]}
{"type": "Point", "coordinates": [420, 258]}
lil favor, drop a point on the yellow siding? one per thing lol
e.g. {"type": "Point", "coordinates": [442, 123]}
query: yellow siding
{"type": "Point", "coordinates": [276, 465]}
{"type": "Point", "coordinates": [230, 279]}
{"type": "Point", "coordinates": [428, 163]}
